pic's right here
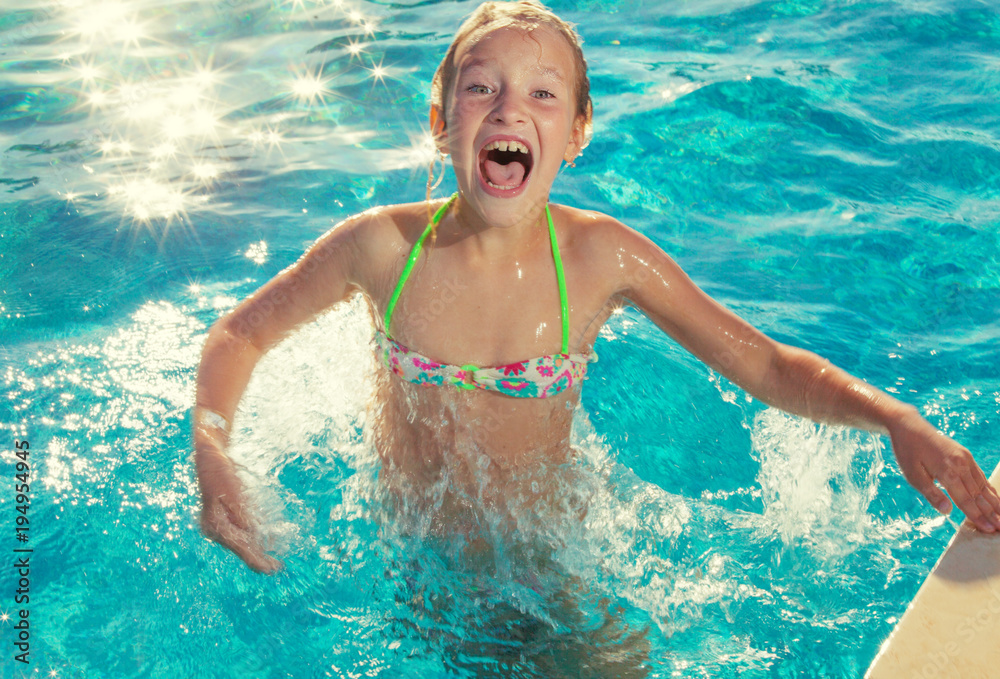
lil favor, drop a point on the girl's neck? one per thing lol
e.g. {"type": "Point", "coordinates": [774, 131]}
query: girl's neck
{"type": "Point", "coordinates": [466, 228]}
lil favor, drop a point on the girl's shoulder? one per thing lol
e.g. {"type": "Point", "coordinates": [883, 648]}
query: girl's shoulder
{"type": "Point", "coordinates": [387, 224]}
{"type": "Point", "coordinates": [590, 245]}
{"type": "Point", "coordinates": [384, 229]}
{"type": "Point", "coordinates": [590, 234]}
{"type": "Point", "coordinates": [595, 232]}
{"type": "Point", "coordinates": [608, 250]}
{"type": "Point", "coordinates": [382, 238]}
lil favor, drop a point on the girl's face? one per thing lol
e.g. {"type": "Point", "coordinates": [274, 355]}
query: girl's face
{"type": "Point", "coordinates": [511, 120]}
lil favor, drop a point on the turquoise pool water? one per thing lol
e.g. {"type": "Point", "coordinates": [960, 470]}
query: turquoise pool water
{"type": "Point", "coordinates": [829, 170]}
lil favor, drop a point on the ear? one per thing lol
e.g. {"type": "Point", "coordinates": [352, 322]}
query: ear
{"type": "Point", "coordinates": [578, 139]}
{"type": "Point", "coordinates": [437, 127]}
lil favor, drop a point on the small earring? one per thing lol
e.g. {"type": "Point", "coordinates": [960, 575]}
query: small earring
{"type": "Point", "coordinates": [571, 163]}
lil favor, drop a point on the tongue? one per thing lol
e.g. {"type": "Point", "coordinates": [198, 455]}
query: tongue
{"type": "Point", "coordinates": [506, 176]}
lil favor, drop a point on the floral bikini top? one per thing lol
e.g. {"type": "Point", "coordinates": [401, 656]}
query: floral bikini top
{"type": "Point", "coordinates": [532, 378]}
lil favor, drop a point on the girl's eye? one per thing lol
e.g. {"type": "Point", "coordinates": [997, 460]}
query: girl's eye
{"type": "Point", "coordinates": [479, 89]}
{"type": "Point", "coordinates": [543, 94]}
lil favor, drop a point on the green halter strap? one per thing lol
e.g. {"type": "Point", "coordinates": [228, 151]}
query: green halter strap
{"type": "Point", "coordinates": [563, 303]}
{"type": "Point", "coordinates": [414, 254]}
{"type": "Point", "coordinates": [418, 246]}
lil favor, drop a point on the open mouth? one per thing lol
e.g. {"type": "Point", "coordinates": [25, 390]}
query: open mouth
{"type": "Point", "coordinates": [505, 164]}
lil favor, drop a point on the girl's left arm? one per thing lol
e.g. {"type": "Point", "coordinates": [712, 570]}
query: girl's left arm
{"type": "Point", "coordinates": [799, 381]}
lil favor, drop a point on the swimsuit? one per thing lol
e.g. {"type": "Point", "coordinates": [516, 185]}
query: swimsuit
{"type": "Point", "coordinates": [532, 378]}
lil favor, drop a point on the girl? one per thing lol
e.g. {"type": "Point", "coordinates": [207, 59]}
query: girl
{"type": "Point", "coordinates": [486, 306]}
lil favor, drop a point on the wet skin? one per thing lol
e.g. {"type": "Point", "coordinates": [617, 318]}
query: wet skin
{"type": "Point", "coordinates": [485, 293]}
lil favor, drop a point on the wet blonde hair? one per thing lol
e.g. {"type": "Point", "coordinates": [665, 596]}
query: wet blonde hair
{"type": "Point", "coordinates": [523, 14]}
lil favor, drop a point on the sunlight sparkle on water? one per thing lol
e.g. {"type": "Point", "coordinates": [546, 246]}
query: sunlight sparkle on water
{"type": "Point", "coordinates": [257, 252]}
{"type": "Point", "coordinates": [379, 73]}
{"type": "Point", "coordinates": [164, 150]}
{"type": "Point", "coordinates": [205, 122]}
{"type": "Point", "coordinates": [147, 110]}
{"type": "Point", "coordinates": [355, 48]}
{"type": "Point", "coordinates": [159, 115]}
{"type": "Point", "coordinates": [108, 22]}
{"type": "Point", "coordinates": [98, 18]}
{"type": "Point", "coordinates": [146, 199]}
{"type": "Point", "coordinates": [268, 137]}
{"type": "Point", "coordinates": [273, 138]}
{"type": "Point", "coordinates": [309, 87]}
{"type": "Point", "coordinates": [174, 126]}
{"type": "Point", "coordinates": [186, 94]}
{"type": "Point", "coordinates": [205, 171]}
{"type": "Point", "coordinates": [424, 150]}
{"type": "Point", "coordinates": [129, 32]}
{"type": "Point", "coordinates": [204, 76]}
{"type": "Point", "coordinates": [98, 99]}
{"type": "Point", "coordinates": [88, 73]}
{"type": "Point", "coordinates": [110, 147]}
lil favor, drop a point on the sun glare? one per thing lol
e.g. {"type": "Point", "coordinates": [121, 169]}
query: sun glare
{"type": "Point", "coordinates": [355, 48]}
{"type": "Point", "coordinates": [96, 18]}
{"type": "Point", "coordinates": [146, 199]}
{"type": "Point", "coordinates": [129, 32]}
{"type": "Point", "coordinates": [309, 87]}
{"type": "Point", "coordinates": [423, 150]}
{"type": "Point", "coordinates": [164, 150]}
{"type": "Point", "coordinates": [379, 72]}
{"type": "Point", "coordinates": [205, 171]}
{"type": "Point", "coordinates": [158, 129]}
{"type": "Point", "coordinates": [88, 73]}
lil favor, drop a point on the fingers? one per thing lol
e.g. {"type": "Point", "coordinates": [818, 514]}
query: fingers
{"type": "Point", "coordinates": [927, 455]}
{"type": "Point", "coordinates": [973, 494]}
{"type": "Point", "coordinates": [986, 500]}
{"type": "Point", "coordinates": [240, 539]}
{"type": "Point", "coordinates": [976, 497]}
{"type": "Point", "coordinates": [983, 510]}
{"type": "Point", "coordinates": [225, 518]}
{"type": "Point", "coordinates": [986, 496]}
{"type": "Point", "coordinates": [924, 483]}
{"type": "Point", "coordinates": [254, 556]}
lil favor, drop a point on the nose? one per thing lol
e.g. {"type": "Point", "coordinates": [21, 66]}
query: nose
{"type": "Point", "coordinates": [508, 109]}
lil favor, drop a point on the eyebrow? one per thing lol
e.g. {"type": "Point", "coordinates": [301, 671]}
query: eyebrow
{"type": "Point", "coordinates": [547, 71]}
{"type": "Point", "coordinates": [553, 73]}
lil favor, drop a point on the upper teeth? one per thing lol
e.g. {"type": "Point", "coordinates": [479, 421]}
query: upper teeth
{"type": "Point", "coordinates": [506, 146]}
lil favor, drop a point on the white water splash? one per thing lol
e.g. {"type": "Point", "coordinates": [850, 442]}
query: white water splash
{"type": "Point", "coordinates": [816, 481]}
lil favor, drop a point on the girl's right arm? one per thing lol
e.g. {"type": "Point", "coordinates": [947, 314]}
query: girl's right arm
{"type": "Point", "coordinates": [799, 381]}
{"type": "Point", "coordinates": [323, 276]}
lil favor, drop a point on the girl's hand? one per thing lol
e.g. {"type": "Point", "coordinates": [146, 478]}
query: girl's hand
{"type": "Point", "coordinates": [925, 455]}
{"type": "Point", "coordinates": [225, 518]}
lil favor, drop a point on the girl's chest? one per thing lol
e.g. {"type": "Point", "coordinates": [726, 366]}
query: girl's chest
{"type": "Point", "coordinates": [493, 315]}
